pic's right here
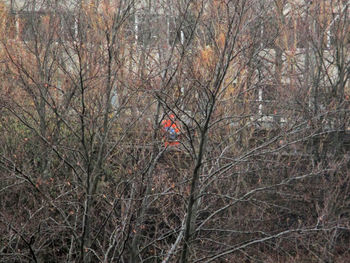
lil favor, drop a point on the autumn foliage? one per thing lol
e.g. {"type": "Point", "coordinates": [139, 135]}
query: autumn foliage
{"type": "Point", "coordinates": [256, 91]}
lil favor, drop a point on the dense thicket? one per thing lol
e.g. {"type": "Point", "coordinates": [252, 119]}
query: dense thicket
{"type": "Point", "coordinates": [259, 91]}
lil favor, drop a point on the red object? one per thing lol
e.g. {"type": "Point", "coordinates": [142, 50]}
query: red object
{"type": "Point", "coordinates": [171, 131]}
{"type": "Point", "coordinates": [166, 144]}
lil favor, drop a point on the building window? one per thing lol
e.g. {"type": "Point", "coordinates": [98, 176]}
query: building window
{"type": "Point", "coordinates": [265, 100]}
{"type": "Point", "coordinates": [338, 30]}
{"type": "Point", "coordinates": [29, 25]}
{"type": "Point", "coordinates": [69, 26]}
{"type": "Point", "coordinates": [173, 34]}
{"type": "Point", "coordinates": [302, 32]}
{"type": "Point", "coordinates": [269, 33]}
{"type": "Point", "coordinates": [11, 27]}
{"type": "Point", "coordinates": [150, 28]}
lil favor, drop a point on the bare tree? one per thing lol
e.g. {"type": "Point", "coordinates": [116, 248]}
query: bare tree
{"type": "Point", "coordinates": [258, 90]}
